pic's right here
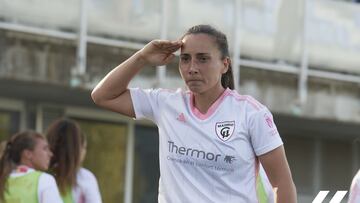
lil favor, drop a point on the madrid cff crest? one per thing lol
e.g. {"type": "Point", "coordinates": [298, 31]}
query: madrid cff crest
{"type": "Point", "coordinates": [224, 130]}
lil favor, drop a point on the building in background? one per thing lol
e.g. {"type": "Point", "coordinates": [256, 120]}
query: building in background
{"type": "Point", "coordinates": [299, 58]}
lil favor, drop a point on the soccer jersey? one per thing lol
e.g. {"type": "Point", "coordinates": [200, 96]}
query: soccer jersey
{"type": "Point", "coordinates": [86, 190]}
{"type": "Point", "coordinates": [46, 189]}
{"type": "Point", "coordinates": [208, 157]}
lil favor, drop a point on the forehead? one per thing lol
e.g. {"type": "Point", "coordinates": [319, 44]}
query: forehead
{"type": "Point", "coordinates": [198, 43]}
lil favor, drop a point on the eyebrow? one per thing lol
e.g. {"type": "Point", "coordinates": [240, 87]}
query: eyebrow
{"type": "Point", "coordinates": [197, 54]}
{"type": "Point", "coordinates": [203, 54]}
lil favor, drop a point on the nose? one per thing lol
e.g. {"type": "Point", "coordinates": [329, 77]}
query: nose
{"type": "Point", "coordinates": [193, 68]}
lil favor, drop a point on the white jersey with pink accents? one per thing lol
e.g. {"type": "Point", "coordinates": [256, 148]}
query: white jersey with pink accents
{"type": "Point", "coordinates": [87, 190]}
{"type": "Point", "coordinates": [209, 157]}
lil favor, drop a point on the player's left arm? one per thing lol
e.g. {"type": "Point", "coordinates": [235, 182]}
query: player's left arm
{"type": "Point", "coordinates": [279, 174]}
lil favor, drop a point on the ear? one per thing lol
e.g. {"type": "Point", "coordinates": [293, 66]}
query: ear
{"type": "Point", "coordinates": [27, 154]}
{"type": "Point", "coordinates": [226, 63]}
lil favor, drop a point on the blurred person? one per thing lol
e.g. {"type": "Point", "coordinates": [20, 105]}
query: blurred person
{"type": "Point", "coordinates": [213, 141]}
{"type": "Point", "coordinates": [25, 156]}
{"type": "Point", "coordinates": [68, 144]}
{"type": "Point", "coordinates": [354, 194]}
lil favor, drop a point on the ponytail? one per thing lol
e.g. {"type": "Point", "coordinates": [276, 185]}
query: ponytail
{"type": "Point", "coordinates": [65, 141]}
{"type": "Point", "coordinates": [6, 166]}
{"type": "Point", "coordinates": [12, 155]}
{"type": "Point", "coordinates": [227, 79]}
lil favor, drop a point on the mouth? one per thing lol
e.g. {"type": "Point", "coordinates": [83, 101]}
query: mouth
{"type": "Point", "coordinates": [194, 83]}
{"type": "Point", "coordinates": [193, 80]}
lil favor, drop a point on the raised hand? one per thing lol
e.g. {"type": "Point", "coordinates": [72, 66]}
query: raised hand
{"type": "Point", "coordinates": [112, 91]}
{"type": "Point", "coordinates": [159, 52]}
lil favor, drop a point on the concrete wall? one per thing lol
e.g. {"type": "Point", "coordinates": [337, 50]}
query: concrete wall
{"type": "Point", "coordinates": [328, 100]}
{"type": "Point", "coordinates": [270, 30]}
{"type": "Point", "coordinates": [47, 60]}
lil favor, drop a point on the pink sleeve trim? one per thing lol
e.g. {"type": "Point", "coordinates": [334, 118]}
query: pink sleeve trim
{"type": "Point", "coordinates": [253, 102]}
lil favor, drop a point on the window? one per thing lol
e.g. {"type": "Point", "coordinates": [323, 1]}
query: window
{"type": "Point", "coordinates": [146, 166]}
{"type": "Point", "coordinates": [106, 156]}
{"type": "Point", "coordinates": [300, 154]}
{"type": "Point", "coordinates": [336, 163]}
{"type": "Point", "coordinates": [9, 123]}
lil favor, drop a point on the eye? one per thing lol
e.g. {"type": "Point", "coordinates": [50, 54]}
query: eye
{"type": "Point", "coordinates": [203, 59]}
{"type": "Point", "coordinates": [184, 58]}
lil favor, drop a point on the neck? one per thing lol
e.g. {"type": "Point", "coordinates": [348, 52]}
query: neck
{"type": "Point", "coordinates": [27, 163]}
{"type": "Point", "coordinates": [203, 101]}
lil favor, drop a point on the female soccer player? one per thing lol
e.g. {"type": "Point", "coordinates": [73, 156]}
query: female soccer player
{"type": "Point", "coordinates": [26, 154]}
{"type": "Point", "coordinates": [212, 139]}
{"type": "Point", "coordinates": [68, 143]}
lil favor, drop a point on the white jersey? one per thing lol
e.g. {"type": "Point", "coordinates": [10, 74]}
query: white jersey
{"type": "Point", "coordinates": [87, 190]}
{"type": "Point", "coordinates": [47, 188]}
{"type": "Point", "coordinates": [354, 195]}
{"type": "Point", "coordinates": [208, 157]}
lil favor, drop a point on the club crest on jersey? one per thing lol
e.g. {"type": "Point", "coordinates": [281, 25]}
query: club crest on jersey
{"type": "Point", "coordinates": [224, 130]}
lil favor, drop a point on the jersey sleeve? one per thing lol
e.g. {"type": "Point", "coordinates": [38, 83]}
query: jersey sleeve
{"type": "Point", "coordinates": [145, 103]}
{"type": "Point", "coordinates": [354, 194]}
{"type": "Point", "coordinates": [48, 190]}
{"type": "Point", "coordinates": [263, 133]}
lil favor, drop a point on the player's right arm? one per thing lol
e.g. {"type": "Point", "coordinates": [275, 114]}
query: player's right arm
{"type": "Point", "coordinates": [112, 91]}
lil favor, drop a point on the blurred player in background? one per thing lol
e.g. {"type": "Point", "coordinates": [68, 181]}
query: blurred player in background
{"type": "Point", "coordinates": [25, 156]}
{"type": "Point", "coordinates": [68, 143]}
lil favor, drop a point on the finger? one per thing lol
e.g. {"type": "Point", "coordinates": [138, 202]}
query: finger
{"type": "Point", "coordinates": [169, 58]}
{"type": "Point", "coordinates": [174, 46]}
{"type": "Point", "coordinates": [178, 42]}
{"type": "Point", "coordinates": [167, 43]}
{"type": "Point", "coordinates": [169, 50]}
{"type": "Point", "coordinates": [173, 49]}
{"type": "Point", "coordinates": [161, 44]}
{"type": "Point", "coordinates": [161, 41]}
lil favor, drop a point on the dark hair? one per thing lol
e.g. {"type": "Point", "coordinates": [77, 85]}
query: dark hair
{"type": "Point", "coordinates": [12, 154]}
{"type": "Point", "coordinates": [66, 141]}
{"type": "Point", "coordinates": [227, 79]}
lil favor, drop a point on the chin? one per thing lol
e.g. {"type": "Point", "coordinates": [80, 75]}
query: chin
{"type": "Point", "coordinates": [42, 168]}
{"type": "Point", "coordinates": [195, 89]}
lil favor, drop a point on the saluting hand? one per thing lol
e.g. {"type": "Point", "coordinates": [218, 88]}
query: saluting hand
{"type": "Point", "coordinates": [159, 52]}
